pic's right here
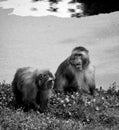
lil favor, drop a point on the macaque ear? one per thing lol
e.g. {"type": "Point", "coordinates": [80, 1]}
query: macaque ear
{"type": "Point", "coordinates": [39, 82]}
{"type": "Point", "coordinates": [39, 79]}
{"type": "Point", "coordinates": [71, 59]}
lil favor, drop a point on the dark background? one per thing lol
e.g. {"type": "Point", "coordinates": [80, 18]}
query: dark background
{"type": "Point", "coordinates": [93, 7]}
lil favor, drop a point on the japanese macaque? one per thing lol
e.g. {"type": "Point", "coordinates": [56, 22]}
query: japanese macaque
{"type": "Point", "coordinates": [33, 88]}
{"type": "Point", "coordinates": [75, 73]}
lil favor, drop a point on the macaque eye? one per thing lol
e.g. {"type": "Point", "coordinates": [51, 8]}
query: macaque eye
{"type": "Point", "coordinates": [75, 55]}
{"type": "Point", "coordinates": [78, 55]}
{"type": "Point", "coordinates": [40, 76]}
{"type": "Point", "coordinates": [45, 75]}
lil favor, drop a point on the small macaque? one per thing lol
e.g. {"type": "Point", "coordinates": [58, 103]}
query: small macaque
{"type": "Point", "coordinates": [76, 73]}
{"type": "Point", "coordinates": [33, 88]}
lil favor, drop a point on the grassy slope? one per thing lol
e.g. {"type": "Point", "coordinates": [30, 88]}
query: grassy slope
{"type": "Point", "coordinates": [65, 112]}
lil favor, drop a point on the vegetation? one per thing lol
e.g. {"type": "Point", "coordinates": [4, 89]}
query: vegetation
{"type": "Point", "coordinates": [76, 111]}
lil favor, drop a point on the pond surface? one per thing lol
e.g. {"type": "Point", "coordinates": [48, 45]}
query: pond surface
{"type": "Point", "coordinates": [44, 42]}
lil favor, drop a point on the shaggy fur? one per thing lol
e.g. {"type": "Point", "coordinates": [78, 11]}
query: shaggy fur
{"type": "Point", "coordinates": [76, 73]}
{"type": "Point", "coordinates": [32, 88]}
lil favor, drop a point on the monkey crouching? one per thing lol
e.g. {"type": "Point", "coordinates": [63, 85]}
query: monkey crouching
{"type": "Point", "coordinates": [32, 88]}
{"type": "Point", "coordinates": [76, 73]}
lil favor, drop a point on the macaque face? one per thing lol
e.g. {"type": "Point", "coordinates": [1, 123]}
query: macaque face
{"type": "Point", "coordinates": [79, 59]}
{"type": "Point", "coordinates": [46, 81]}
{"type": "Point", "coordinates": [76, 60]}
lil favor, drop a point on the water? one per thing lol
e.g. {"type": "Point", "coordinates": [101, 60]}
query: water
{"type": "Point", "coordinates": [43, 8]}
{"type": "Point", "coordinates": [44, 42]}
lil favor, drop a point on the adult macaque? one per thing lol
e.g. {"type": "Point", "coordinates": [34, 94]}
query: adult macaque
{"type": "Point", "coordinates": [33, 88]}
{"type": "Point", "coordinates": [75, 73]}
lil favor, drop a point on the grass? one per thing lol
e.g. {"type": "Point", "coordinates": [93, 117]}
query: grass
{"type": "Point", "coordinates": [74, 111]}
